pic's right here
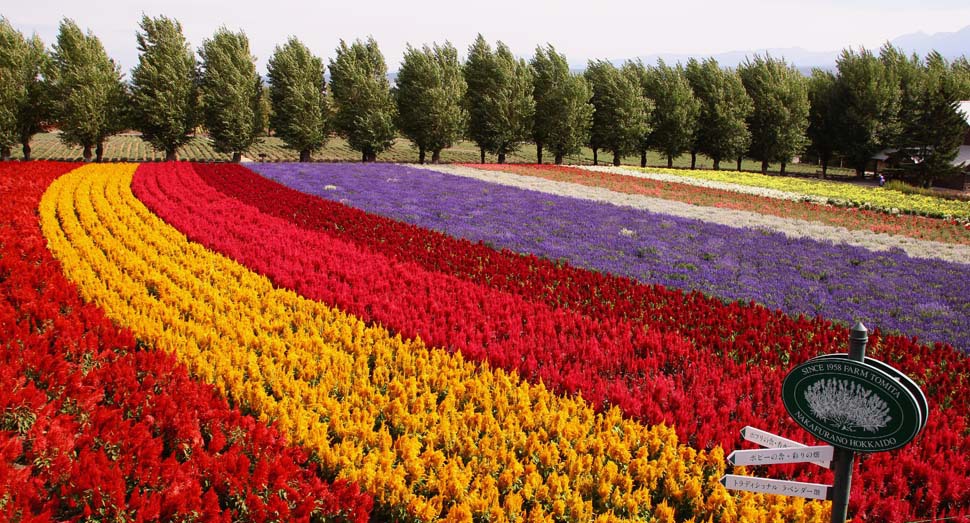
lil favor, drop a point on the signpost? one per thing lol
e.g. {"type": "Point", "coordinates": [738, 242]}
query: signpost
{"type": "Point", "coordinates": [854, 403]}
{"type": "Point", "coordinates": [776, 486]}
{"type": "Point", "coordinates": [780, 456]}
{"type": "Point", "coordinates": [767, 439]}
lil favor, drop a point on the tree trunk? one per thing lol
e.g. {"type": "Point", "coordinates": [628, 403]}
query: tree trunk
{"type": "Point", "coordinates": [482, 149]}
{"type": "Point", "coordinates": [172, 155]}
{"type": "Point", "coordinates": [860, 173]}
{"type": "Point", "coordinates": [739, 163]}
{"type": "Point", "coordinates": [670, 161]}
{"type": "Point", "coordinates": [717, 164]}
{"type": "Point", "coordinates": [501, 157]}
{"type": "Point", "coordinates": [595, 161]}
{"type": "Point", "coordinates": [99, 152]}
{"type": "Point", "coordinates": [436, 156]}
{"type": "Point", "coordinates": [538, 153]}
{"type": "Point", "coordinates": [693, 160]}
{"type": "Point", "coordinates": [86, 153]}
{"type": "Point", "coordinates": [370, 156]}
{"type": "Point", "coordinates": [421, 155]}
{"type": "Point", "coordinates": [643, 158]}
{"type": "Point", "coordinates": [616, 158]}
{"type": "Point", "coordinates": [558, 158]}
{"type": "Point", "coordinates": [782, 171]}
{"type": "Point", "coordinates": [236, 157]}
{"type": "Point", "coordinates": [4, 154]}
{"type": "Point", "coordinates": [305, 155]}
{"type": "Point", "coordinates": [26, 150]}
{"type": "Point", "coordinates": [825, 167]}
{"type": "Point", "coordinates": [764, 166]}
{"type": "Point", "coordinates": [363, 156]}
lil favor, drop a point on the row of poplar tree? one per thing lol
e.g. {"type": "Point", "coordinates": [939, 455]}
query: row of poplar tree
{"type": "Point", "coordinates": [765, 109]}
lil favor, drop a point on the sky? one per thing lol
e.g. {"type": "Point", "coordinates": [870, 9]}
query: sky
{"type": "Point", "coordinates": [592, 29]}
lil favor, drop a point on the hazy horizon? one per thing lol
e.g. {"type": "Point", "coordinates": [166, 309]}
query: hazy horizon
{"type": "Point", "coordinates": [615, 30]}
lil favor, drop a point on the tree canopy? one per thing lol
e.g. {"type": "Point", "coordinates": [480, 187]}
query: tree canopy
{"type": "Point", "coordinates": [563, 113]}
{"type": "Point", "coordinates": [231, 92]}
{"type": "Point", "coordinates": [778, 122]}
{"type": "Point", "coordinates": [622, 114]}
{"type": "Point", "coordinates": [429, 95]}
{"type": "Point", "coordinates": [23, 101]}
{"type": "Point", "coordinates": [675, 112]}
{"type": "Point", "coordinates": [164, 90]}
{"type": "Point", "coordinates": [364, 107]}
{"type": "Point", "coordinates": [722, 130]}
{"type": "Point", "coordinates": [869, 95]}
{"type": "Point", "coordinates": [297, 92]}
{"type": "Point", "coordinates": [499, 98]}
{"type": "Point", "coordinates": [89, 98]}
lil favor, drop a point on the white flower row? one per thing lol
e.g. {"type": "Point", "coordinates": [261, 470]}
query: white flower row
{"type": "Point", "coordinates": [710, 184]}
{"type": "Point", "coordinates": [733, 218]}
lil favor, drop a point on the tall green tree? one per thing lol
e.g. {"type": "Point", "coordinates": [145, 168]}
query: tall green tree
{"type": "Point", "coordinates": [675, 112]}
{"type": "Point", "coordinates": [933, 138]}
{"type": "Point", "coordinates": [563, 113]}
{"type": "Point", "coordinates": [364, 107]}
{"type": "Point", "coordinates": [870, 106]}
{"type": "Point", "coordinates": [722, 129]}
{"type": "Point", "coordinates": [297, 92]}
{"type": "Point", "coordinates": [638, 74]}
{"type": "Point", "coordinates": [230, 92]}
{"type": "Point", "coordinates": [479, 72]}
{"type": "Point", "coordinates": [164, 90]}
{"type": "Point", "coordinates": [89, 98]}
{"type": "Point", "coordinates": [24, 104]}
{"type": "Point", "coordinates": [823, 116]}
{"type": "Point", "coordinates": [622, 114]}
{"type": "Point", "coordinates": [430, 92]}
{"type": "Point", "coordinates": [779, 94]}
{"type": "Point", "coordinates": [499, 99]}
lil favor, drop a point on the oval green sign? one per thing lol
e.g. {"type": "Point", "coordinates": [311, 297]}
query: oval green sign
{"type": "Point", "coordinates": [852, 405]}
{"type": "Point", "coordinates": [896, 374]}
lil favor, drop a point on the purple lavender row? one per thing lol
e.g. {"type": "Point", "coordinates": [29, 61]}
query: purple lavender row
{"type": "Point", "coordinates": [889, 290]}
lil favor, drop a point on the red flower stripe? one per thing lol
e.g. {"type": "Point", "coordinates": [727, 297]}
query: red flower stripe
{"type": "Point", "coordinates": [853, 218]}
{"type": "Point", "coordinates": [608, 356]}
{"type": "Point", "coordinates": [93, 428]}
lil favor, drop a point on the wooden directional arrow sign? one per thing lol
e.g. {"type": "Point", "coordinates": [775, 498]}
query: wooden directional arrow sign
{"type": "Point", "coordinates": [823, 453]}
{"type": "Point", "coordinates": [775, 486]}
{"type": "Point", "coordinates": [767, 439]}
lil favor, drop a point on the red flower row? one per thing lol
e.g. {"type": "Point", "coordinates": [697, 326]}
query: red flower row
{"type": "Point", "coordinates": [609, 339]}
{"type": "Point", "coordinates": [853, 218]}
{"type": "Point", "coordinates": [94, 428]}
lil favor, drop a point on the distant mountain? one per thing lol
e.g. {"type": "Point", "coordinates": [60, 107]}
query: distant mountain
{"type": "Point", "coordinates": [950, 45]}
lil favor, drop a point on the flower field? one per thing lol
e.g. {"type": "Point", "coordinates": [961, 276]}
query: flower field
{"type": "Point", "coordinates": [731, 196]}
{"type": "Point", "coordinates": [94, 428]}
{"type": "Point", "coordinates": [454, 359]}
{"type": "Point", "coordinates": [879, 198]}
{"type": "Point", "coordinates": [887, 290]}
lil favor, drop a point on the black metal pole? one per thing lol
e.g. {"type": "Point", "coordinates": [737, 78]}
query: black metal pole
{"type": "Point", "coordinates": [844, 458]}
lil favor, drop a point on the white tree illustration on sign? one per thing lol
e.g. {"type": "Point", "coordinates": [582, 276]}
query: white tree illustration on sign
{"type": "Point", "coordinates": [848, 405]}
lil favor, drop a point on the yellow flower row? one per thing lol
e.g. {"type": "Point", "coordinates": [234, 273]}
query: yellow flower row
{"type": "Point", "coordinates": [430, 435]}
{"type": "Point", "coordinates": [837, 193]}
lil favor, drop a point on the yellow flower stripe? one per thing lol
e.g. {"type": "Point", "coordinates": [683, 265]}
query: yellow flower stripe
{"type": "Point", "coordinates": [844, 194]}
{"type": "Point", "coordinates": [431, 435]}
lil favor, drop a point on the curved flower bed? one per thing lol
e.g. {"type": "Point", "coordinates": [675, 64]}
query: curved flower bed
{"type": "Point", "coordinates": [925, 298]}
{"type": "Point", "coordinates": [787, 205]}
{"type": "Point", "coordinates": [430, 434]}
{"type": "Point", "coordinates": [882, 199]}
{"type": "Point", "coordinates": [92, 428]}
{"type": "Point", "coordinates": [765, 343]}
